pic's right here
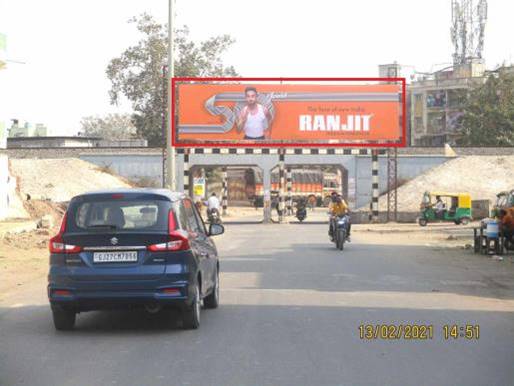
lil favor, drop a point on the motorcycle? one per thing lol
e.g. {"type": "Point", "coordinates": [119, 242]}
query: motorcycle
{"type": "Point", "coordinates": [340, 231]}
{"type": "Point", "coordinates": [213, 216]}
{"type": "Point", "coordinates": [301, 211]}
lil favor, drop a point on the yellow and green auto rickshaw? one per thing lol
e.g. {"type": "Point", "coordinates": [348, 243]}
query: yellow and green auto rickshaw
{"type": "Point", "coordinates": [443, 206]}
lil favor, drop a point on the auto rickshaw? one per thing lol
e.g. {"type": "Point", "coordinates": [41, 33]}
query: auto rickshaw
{"type": "Point", "coordinates": [459, 210]}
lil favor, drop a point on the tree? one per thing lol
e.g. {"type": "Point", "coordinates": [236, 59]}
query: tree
{"type": "Point", "coordinates": [488, 118]}
{"type": "Point", "coordinates": [137, 72]}
{"type": "Point", "coordinates": [111, 126]}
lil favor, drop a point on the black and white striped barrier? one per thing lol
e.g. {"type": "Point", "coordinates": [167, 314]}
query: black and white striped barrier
{"type": "Point", "coordinates": [186, 171]}
{"type": "Point", "coordinates": [289, 151]}
{"type": "Point", "coordinates": [374, 186]}
{"type": "Point", "coordinates": [224, 193]}
{"type": "Point", "coordinates": [281, 172]}
{"type": "Point", "coordinates": [289, 185]}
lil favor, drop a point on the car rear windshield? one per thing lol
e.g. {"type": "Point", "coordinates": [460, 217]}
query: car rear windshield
{"type": "Point", "coordinates": [119, 215]}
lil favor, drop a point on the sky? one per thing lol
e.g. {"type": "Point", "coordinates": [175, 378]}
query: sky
{"type": "Point", "coordinates": [66, 45]}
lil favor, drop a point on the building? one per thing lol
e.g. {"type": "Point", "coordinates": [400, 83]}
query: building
{"type": "Point", "coordinates": [57, 141]}
{"type": "Point", "coordinates": [26, 136]}
{"type": "Point", "coordinates": [393, 70]}
{"type": "Point", "coordinates": [71, 141]}
{"type": "Point", "coordinates": [27, 130]}
{"type": "Point", "coordinates": [436, 102]}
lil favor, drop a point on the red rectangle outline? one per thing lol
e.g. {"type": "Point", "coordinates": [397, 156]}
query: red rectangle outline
{"type": "Point", "coordinates": [403, 142]}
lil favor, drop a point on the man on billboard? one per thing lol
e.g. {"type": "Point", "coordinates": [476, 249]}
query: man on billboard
{"type": "Point", "coordinates": [255, 119]}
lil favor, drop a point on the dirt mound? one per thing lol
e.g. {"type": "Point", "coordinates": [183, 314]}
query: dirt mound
{"type": "Point", "coordinates": [28, 240]}
{"type": "Point", "coordinates": [481, 176]}
{"type": "Point", "coordinates": [59, 180]}
{"type": "Point", "coordinates": [37, 209]}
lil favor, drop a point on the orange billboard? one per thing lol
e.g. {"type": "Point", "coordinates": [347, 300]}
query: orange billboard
{"type": "Point", "coordinates": [287, 114]}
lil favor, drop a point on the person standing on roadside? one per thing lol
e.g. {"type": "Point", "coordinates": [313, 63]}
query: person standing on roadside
{"type": "Point", "coordinates": [507, 225]}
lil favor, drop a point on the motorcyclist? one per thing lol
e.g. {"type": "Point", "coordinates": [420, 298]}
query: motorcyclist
{"type": "Point", "coordinates": [301, 210]}
{"type": "Point", "coordinates": [213, 205]}
{"type": "Point", "coordinates": [338, 208]}
{"type": "Point", "coordinates": [333, 197]}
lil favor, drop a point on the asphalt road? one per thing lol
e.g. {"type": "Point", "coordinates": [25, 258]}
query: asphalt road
{"type": "Point", "coordinates": [291, 306]}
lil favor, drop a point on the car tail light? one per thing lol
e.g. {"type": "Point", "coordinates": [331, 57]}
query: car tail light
{"type": "Point", "coordinates": [177, 241]}
{"type": "Point", "coordinates": [57, 245]}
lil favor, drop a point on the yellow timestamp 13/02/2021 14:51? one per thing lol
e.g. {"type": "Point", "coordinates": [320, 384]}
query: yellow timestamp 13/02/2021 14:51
{"type": "Point", "coordinates": [418, 331]}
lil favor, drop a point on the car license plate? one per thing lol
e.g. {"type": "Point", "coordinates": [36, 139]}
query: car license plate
{"type": "Point", "coordinates": [115, 257]}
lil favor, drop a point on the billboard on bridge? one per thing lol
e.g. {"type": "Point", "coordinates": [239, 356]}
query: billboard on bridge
{"type": "Point", "coordinates": [287, 113]}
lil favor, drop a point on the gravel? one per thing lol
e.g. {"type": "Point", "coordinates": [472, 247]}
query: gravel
{"type": "Point", "coordinates": [59, 180]}
{"type": "Point", "coordinates": [481, 176]}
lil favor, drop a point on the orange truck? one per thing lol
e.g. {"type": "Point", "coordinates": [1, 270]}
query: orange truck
{"type": "Point", "coordinates": [305, 183]}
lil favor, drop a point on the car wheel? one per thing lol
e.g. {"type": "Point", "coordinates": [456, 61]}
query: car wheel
{"type": "Point", "coordinates": [464, 221]}
{"type": "Point", "coordinates": [341, 237]}
{"type": "Point", "coordinates": [212, 301]}
{"type": "Point", "coordinates": [63, 319]}
{"type": "Point", "coordinates": [422, 222]}
{"type": "Point", "coordinates": [191, 313]}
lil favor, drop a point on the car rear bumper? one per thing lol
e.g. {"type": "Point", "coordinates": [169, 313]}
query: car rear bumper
{"type": "Point", "coordinates": [88, 300]}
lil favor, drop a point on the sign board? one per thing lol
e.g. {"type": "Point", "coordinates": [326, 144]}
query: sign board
{"type": "Point", "coordinates": [199, 187]}
{"type": "Point", "coordinates": [281, 115]}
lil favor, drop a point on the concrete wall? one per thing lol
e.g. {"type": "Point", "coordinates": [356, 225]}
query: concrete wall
{"type": "Point", "coordinates": [403, 217]}
{"type": "Point", "coordinates": [149, 167]}
{"type": "Point", "coordinates": [11, 206]}
{"type": "Point", "coordinates": [408, 168]}
{"type": "Point", "coordinates": [4, 186]}
{"type": "Point", "coordinates": [145, 168]}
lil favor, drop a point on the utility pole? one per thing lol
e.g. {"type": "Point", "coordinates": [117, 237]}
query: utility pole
{"type": "Point", "coordinates": [171, 181]}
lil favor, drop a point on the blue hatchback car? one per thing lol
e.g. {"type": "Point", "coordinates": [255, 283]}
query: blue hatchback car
{"type": "Point", "coordinates": [133, 248]}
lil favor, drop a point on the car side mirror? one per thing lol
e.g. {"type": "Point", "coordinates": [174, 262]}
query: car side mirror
{"type": "Point", "coordinates": [216, 229]}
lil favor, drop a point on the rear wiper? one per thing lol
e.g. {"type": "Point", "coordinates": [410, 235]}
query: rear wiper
{"type": "Point", "coordinates": [110, 226]}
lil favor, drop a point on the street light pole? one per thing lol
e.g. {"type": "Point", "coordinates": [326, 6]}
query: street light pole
{"type": "Point", "coordinates": [171, 181]}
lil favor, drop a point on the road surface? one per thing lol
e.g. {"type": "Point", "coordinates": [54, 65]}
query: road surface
{"type": "Point", "coordinates": [291, 307]}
